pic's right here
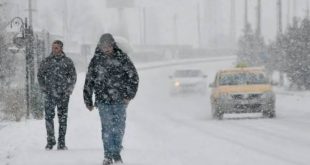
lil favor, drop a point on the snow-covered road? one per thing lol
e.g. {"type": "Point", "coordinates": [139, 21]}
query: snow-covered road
{"type": "Point", "coordinates": [164, 130]}
{"type": "Point", "coordinates": [2, 126]}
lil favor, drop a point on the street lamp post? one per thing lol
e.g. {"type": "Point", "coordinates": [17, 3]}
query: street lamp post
{"type": "Point", "coordinates": [26, 40]}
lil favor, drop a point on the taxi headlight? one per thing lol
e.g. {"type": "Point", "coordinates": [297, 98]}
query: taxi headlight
{"type": "Point", "coordinates": [177, 83]}
{"type": "Point", "coordinates": [268, 95]}
{"type": "Point", "coordinates": [225, 97]}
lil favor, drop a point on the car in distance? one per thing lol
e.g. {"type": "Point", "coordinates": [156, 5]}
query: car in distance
{"type": "Point", "coordinates": [188, 81]}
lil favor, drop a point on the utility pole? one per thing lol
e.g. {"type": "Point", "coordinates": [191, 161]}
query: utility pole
{"type": "Point", "coordinates": [279, 4]}
{"type": "Point", "coordinates": [233, 22]}
{"type": "Point", "coordinates": [198, 26]}
{"type": "Point", "coordinates": [258, 28]}
{"type": "Point", "coordinates": [294, 8]}
{"type": "Point", "coordinates": [245, 13]}
{"type": "Point", "coordinates": [30, 10]}
{"type": "Point", "coordinates": [175, 17]}
{"type": "Point", "coordinates": [307, 11]}
{"type": "Point", "coordinates": [30, 70]}
{"type": "Point", "coordinates": [143, 26]}
{"type": "Point", "coordinates": [65, 21]}
{"type": "Point", "coordinates": [1, 12]}
{"type": "Point", "coordinates": [288, 13]}
{"type": "Point", "coordinates": [294, 13]}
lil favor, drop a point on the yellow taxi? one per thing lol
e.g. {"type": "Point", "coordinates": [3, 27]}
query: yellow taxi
{"type": "Point", "coordinates": [242, 90]}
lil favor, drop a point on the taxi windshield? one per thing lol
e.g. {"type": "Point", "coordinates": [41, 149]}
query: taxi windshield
{"type": "Point", "coordinates": [242, 79]}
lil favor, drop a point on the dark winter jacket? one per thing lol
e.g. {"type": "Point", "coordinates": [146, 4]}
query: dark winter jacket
{"type": "Point", "coordinates": [113, 78]}
{"type": "Point", "coordinates": [57, 75]}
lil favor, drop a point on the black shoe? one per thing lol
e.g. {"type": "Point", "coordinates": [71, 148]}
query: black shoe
{"type": "Point", "coordinates": [62, 147]}
{"type": "Point", "coordinates": [107, 161]}
{"type": "Point", "coordinates": [50, 145]}
{"type": "Point", "coordinates": [117, 158]}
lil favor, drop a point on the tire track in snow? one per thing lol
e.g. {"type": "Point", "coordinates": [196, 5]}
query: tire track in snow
{"type": "Point", "coordinates": [272, 134]}
{"type": "Point", "coordinates": [252, 147]}
{"type": "Point", "coordinates": [2, 126]}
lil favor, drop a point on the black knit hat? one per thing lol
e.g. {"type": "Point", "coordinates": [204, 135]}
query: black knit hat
{"type": "Point", "coordinates": [106, 38]}
{"type": "Point", "coordinates": [58, 42]}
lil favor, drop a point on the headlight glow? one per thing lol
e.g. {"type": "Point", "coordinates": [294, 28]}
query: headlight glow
{"type": "Point", "coordinates": [176, 83]}
{"type": "Point", "coordinates": [225, 97]}
{"type": "Point", "coordinates": [268, 95]}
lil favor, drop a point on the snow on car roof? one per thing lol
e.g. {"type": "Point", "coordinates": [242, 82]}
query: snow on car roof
{"type": "Point", "coordinates": [188, 72]}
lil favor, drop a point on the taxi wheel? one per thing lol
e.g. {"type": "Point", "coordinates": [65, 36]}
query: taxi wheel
{"type": "Point", "coordinates": [219, 115]}
{"type": "Point", "coordinates": [216, 113]}
{"type": "Point", "coordinates": [269, 114]}
{"type": "Point", "coordinates": [272, 115]}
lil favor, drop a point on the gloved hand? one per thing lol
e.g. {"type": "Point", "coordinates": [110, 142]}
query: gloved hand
{"type": "Point", "coordinates": [90, 108]}
{"type": "Point", "coordinates": [127, 101]}
{"type": "Point", "coordinates": [70, 90]}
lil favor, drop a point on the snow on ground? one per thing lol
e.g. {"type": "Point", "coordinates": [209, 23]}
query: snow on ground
{"type": "Point", "coordinates": [165, 130]}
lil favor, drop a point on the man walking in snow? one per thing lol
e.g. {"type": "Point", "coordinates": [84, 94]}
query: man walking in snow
{"type": "Point", "coordinates": [57, 77]}
{"type": "Point", "coordinates": [114, 80]}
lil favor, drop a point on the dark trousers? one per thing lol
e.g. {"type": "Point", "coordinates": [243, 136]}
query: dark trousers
{"type": "Point", "coordinates": [61, 102]}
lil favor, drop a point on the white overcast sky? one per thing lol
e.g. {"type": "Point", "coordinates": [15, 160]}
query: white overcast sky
{"type": "Point", "coordinates": [88, 19]}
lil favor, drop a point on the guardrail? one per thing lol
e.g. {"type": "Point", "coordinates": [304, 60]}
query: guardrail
{"type": "Point", "coordinates": [156, 65]}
